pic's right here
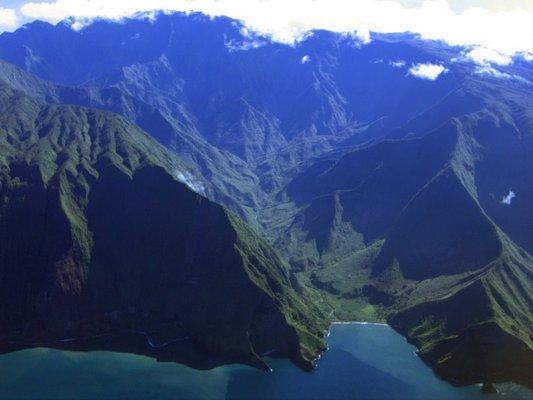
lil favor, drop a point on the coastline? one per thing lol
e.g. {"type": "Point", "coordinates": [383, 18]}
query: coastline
{"type": "Point", "coordinates": [359, 323]}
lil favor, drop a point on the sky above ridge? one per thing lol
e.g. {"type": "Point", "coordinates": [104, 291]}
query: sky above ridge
{"type": "Point", "coordinates": [497, 27]}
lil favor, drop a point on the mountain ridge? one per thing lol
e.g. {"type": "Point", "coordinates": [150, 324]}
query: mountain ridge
{"type": "Point", "coordinates": [383, 191]}
{"type": "Point", "coordinates": [100, 193]}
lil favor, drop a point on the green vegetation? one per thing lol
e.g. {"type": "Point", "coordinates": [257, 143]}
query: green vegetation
{"type": "Point", "coordinates": [425, 254]}
{"type": "Point", "coordinates": [360, 199]}
{"type": "Point", "coordinates": [100, 238]}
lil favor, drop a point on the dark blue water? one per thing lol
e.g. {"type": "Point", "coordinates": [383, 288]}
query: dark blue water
{"type": "Point", "coordinates": [364, 362]}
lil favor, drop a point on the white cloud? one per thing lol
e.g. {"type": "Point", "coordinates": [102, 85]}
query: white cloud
{"type": "Point", "coordinates": [491, 71]}
{"type": "Point", "coordinates": [427, 71]}
{"type": "Point", "coordinates": [236, 45]}
{"type": "Point", "coordinates": [77, 25]}
{"type": "Point", "coordinates": [192, 183]}
{"type": "Point", "coordinates": [8, 18]}
{"type": "Point", "coordinates": [362, 34]}
{"type": "Point", "coordinates": [249, 42]}
{"type": "Point", "coordinates": [508, 198]}
{"type": "Point", "coordinates": [305, 59]}
{"type": "Point", "coordinates": [505, 31]}
{"type": "Point", "coordinates": [397, 64]}
{"type": "Point", "coordinates": [488, 70]}
{"type": "Point", "coordinates": [483, 56]}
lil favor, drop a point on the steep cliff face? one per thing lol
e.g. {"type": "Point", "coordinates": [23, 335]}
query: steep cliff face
{"type": "Point", "coordinates": [478, 329]}
{"type": "Point", "coordinates": [401, 199]}
{"type": "Point", "coordinates": [99, 238]}
{"type": "Point", "coordinates": [427, 250]}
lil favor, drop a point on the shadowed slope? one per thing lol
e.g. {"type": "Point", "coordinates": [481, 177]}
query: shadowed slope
{"type": "Point", "coordinates": [422, 250]}
{"type": "Point", "coordinates": [100, 239]}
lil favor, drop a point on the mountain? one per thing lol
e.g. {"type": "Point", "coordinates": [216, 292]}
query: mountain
{"type": "Point", "coordinates": [386, 196]}
{"type": "Point", "coordinates": [101, 240]}
{"type": "Point", "coordinates": [418, 229]}
{"type": "Point", "coordinates": [240, 110]}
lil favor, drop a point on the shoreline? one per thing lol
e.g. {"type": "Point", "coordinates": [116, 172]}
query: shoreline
{"type": "Point", "coordinates": [359, 323]}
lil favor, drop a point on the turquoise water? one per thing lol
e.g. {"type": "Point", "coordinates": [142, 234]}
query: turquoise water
{"type": "Point", "coordinates": [364, 362]}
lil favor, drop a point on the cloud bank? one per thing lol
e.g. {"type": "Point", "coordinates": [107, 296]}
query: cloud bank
{"type": "Point", "coordinates": [504, 32]}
